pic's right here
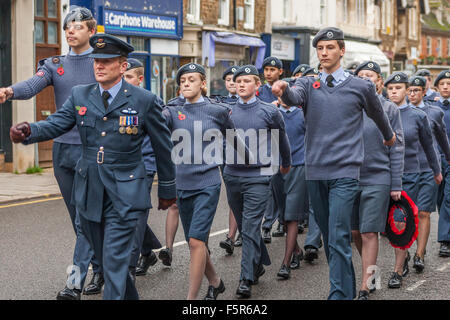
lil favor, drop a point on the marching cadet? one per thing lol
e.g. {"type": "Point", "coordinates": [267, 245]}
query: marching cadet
{"type": "Point", "coordinates": [63, 73]}
{"type": "Point", "coordinates": [112, 117]}
{"type": "Point", "coordinates": [334, 106]}
{"type": "Point", "coordinates": [430, 96]}
{"type": "Point", "coordinates": [294, 202]}
{"type": "Point", "coordinates": [228, 244]}
{"type": "Point", "coordinates": [428, 190]}
{"type": "Point", "coordinates": [198, 180]}
{"type": "Point", "coordinates": [248, 186]}
{"type": "Point", "coordinates": [145, 240]}
{"type": "Point", "coordinates": [298, 72]}
{"type": "Point", "coordinates": [416, 133]}
{"type": "Point", "coordinates": [442, 83]}
{"type": "Point", "coordinates": [380, 179]}
{"type": "Point", "coordinates": [273, 69]}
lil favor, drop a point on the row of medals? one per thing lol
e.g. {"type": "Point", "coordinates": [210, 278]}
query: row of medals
{"type": "Point", "coordinates": [128, 130]}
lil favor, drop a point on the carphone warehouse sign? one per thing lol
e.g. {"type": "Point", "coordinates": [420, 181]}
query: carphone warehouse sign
{"type": "Point", "coordinates": [139, 23]}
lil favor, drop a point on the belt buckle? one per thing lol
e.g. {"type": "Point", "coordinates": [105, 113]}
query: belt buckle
{"type": "Point", "coordinates": [102, 155]}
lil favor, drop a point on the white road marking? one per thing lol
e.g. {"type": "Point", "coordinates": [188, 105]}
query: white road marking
{"type": "Point", "coordinates": [445, 266]}
{"type": "Point", "coordinates": [416, 285]}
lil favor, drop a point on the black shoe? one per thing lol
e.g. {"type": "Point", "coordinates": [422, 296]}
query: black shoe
{"type": "Point", "coordinates": [69, 294]}
{"type": "Point", "coordinates": [406, 266]}
{"type": "Point", "coordinates": [266, 236]}
{"type": "Point", "coordinates": [132, 273]}
{"type": "Point", "coordinates": [419, 263]}
{"type": "Point", "coordinates": [258, 273]}
{"type": "Point", "coordinates": [444, 250]}
{"type": "Point", "coordinates": [284, 272]}
{"type": "Point", "coordinates": [228, 245]}
{"type": "Point", "coordinates": [363, 295]}
{"type": "Point", "coordinates": [145, 262]}
{"type": "Point", "coordinates": [165, 255]}
{"type": "Point", "coordinates": [96, 284]}
{"type": "Point", "coordinates": [395, 281]}
{"type": "Point", "coordinates": [373, 288]}
{"type": "Point", "coordinates": [244, 289]}
{"type": "Point", "coordinates": [279, 232]}
{"type": "Point", "coordinates": [311, 253]}
{"type": "Point", "coordinates": [238, 241]}
{"type": "Point", "coordinates": [296, 258]}
{"type": "Point", "coordinates": [300, 228]}
{"type": "Point", "coordinates": [214, 292]}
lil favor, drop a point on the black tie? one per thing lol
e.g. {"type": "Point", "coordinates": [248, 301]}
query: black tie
{"type": "Point", "coordinates": [330, 81]}
{"type": "Point", "coordinates": [105, 97]}
{"type": "Point", "coordinates": [446, 103]}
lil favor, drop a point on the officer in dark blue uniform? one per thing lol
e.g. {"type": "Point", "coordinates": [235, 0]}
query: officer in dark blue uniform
{"type": "Point", "coordinates": [110, 191]}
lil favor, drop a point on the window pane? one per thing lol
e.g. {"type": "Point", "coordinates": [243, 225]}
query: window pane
{"type": "Point", "coordinates": [39, 8]}
{"type": "Point", "coordinates": [138, 43]}
{"type": "Point", "coordinates": [52, 33]}
{"type": "Point", "coordinates": [39, 32]}
{"type": "Point", "coordinates": [52, 9]}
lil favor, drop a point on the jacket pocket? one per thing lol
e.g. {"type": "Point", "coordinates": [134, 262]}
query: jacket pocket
{"type": "Point", "coordinates": [132, 187]}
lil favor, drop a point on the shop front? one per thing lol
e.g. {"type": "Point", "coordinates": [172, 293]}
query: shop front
{"type": "Point", "coordinates": [154, 28]}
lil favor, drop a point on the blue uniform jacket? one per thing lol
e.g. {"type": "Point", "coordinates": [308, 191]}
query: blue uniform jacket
{"type": "Point", "coordinates": [112, 161]}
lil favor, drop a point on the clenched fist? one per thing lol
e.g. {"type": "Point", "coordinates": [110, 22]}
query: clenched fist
{"type": "Point", "coordinates": [19, 132]}
{"type": "Point", "coordinates": [279, 87]}
{"type": "Point", "coordinates": [391, 142]}
{"type": "Point", "coordinates": [5, 94]}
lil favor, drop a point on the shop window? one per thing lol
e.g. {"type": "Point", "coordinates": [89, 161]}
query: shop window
{"type": "Point", "coordinates": [249, 14]}
{"type": "Point", "coordinates": [217, 85]}
{"type": "Point", "coordinates": [224, 12]}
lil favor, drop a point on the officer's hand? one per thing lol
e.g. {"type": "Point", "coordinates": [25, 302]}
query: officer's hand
{"type": "Point", "coordinates": [438, 178]}
{"type": "Point", "coordinates": [391, 142]}
{"type": "Point", "coordinates": [284, 170]}
{"type": "Point", "coordinates": [5, 94]}
{"type": "Point", "coordinates": [279, 87]}
{"type": "Point", "coordinates": [396, 195]}
{"type": "Point", "coordinates": [19, 132]}
{"type": "Point", "coordinates": [164, 204]}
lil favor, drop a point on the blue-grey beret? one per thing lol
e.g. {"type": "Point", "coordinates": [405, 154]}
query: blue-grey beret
{"type": "Point", "coordinates": [246, 71]}
{"type": "Point", "coordinates": [368, 65]}
{"type": "Point", "coordinates": [108, 46]}
{"type": "Point", "coordinates": [443, 75]}
{"type": "Point", "coordinates": [230, 70]}
{"type": "Point", "coordinates": [77, 13]}
{"type": "Point", "coordinates": [190, 68]}
{"type": "Point", "coordinates": [330, 33]}
{"type": "Point", "coordinates": [309, 71]}
{"type": "Point", "coordinates": [397, 77]}
{"type": "Point", "coordinates": [272, 62]}
{"type": "Point", "coordinates": [300, 69]}
{"type": "Point", "coordinates": [134, 63]}
{"type": "Point", "coordinates": [418, 81]}
{"type": "Point", "coordinates": [423, 73]}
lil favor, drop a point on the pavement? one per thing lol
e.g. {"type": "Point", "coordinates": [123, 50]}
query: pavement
{"type": "Point", "coordinates": [21, 187]}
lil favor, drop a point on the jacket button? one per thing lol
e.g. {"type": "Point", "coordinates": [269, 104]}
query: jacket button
{"type": "Point", "coordinates": [131, 176]}
{"type": "Point", "coordinates": [101, 148]}
{"type": "Point", "coordinates": [82, 122]}
{"type": "Point", "coordinates": [105, 118]}
{"type": "Point", "coordinates": [103, 133]}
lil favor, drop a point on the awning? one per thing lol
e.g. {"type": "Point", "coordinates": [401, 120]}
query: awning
{"type": "Point", "coordinates": [358, 52]}
{"type": "Point", "coordinates": [209, 40]}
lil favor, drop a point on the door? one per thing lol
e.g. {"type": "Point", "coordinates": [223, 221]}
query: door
{"type": "Point", "coordinates": [47, 41]}
{"type": "Point", "coordinates": [5, 80]}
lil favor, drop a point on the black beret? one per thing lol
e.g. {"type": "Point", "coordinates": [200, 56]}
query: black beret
{"type": "Point", "coordinates": [246, 71]}
{"type": "Point", "coordinates": [423, 73]}
{"type": "Point", "coordinates": [368, 65]}
{"type": "Point", "coordinates": [328, 34]}
{"type": "Point", "coordinates": [230, 70]}
{"type": "Point", "coordinates": [134, 63]}
{"type": "Point", "coordinates": [443, 75]}
{"type": "Point", "coordinates": [309, 71]}
{"type": "Point", "coordinates": [396, 77]}
{"type": "Point", "coordinates": [107, 46]}
{"type": "Point", "coordinates": [190, 68]}
{"type": "Point", "coordinates": [77, 13]}
{"type": "Point", "coordinates": [418, 81]}
{"type": "Point", "coordinates": [300, 69]}
{"type": "Point", "coordinates": [272, 62]}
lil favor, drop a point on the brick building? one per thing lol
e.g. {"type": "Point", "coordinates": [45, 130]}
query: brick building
{"type": "Point", "coordinates": [220, 33]}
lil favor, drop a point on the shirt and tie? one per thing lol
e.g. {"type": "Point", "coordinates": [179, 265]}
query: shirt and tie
{"type": "Point", "coordinates": [109, 95]}
{"type": "Point", "coordinates": [335, 78]}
